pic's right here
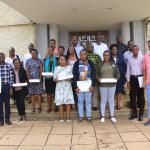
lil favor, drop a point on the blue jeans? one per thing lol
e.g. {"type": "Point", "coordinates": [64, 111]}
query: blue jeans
{"type": "Point", "coordinates": [88, 103]}
{"type": "Point", "coordinates": [148, 99]}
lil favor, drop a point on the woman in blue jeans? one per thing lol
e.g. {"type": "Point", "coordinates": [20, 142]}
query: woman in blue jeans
{"type": "Point", "coordinates": [84, 70]}
{"type": "Point", "coordinates": [107, 69]}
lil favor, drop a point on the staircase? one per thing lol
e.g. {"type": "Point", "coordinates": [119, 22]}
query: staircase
{"type": "Point", "coordinates": [125, 111]}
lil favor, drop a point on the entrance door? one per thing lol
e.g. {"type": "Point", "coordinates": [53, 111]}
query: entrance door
{"type": "Point", "coordinates": [89, 36]}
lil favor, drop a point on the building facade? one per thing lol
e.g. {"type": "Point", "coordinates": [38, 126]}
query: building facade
{"type": "Point", "coordinates": [18, 31]}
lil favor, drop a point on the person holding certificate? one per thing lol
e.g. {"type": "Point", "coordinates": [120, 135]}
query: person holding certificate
{"type": "Point", "coordinates": [34, 68]}
{"type": "Point", "coordinates": [134, 77]}
{"type": "Point", "coordinates": [19, 92]}
{"type": "Point", "coordinates": [107, 73]}
{"type": "Point", "coordinates": [50, 62]}
{"type": "Point", "coordinates": [63, 92]}
{"type": "Point", "coordinates": [6, 90]}
{"type": "Point", "coordinates": [84, 82]}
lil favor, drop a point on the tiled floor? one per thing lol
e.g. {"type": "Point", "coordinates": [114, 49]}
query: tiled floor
{"type": "Point", "coordinates": [52, 135]}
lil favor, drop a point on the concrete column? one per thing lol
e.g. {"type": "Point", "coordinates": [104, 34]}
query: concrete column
{"type": "Point", "coordinates": [64, 39]}
{"type": "Point", "coordinates": [112, 34]}
{"type": "Point", "coordinates": [53, 32]}
{"type": "Point", "coordinates": [138, 34]}
{"type": "Point", "coordinates": [41, 39]}
{"type": "Point", "coordinates": [125, 31]}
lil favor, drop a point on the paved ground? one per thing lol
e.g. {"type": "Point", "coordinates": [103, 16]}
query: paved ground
{"type": "Point", "coordinates": [52, 135]}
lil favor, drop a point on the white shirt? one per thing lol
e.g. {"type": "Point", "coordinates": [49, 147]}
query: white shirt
{"type": "Point", "coordinates": [99, 49]}
{"type": "Point", "coordinates": [135, 66]}
{"type": "Point", "coordinates": [9, 60]}
{"type": "Point", "coordinates": [128, 55]}
{"type": "Point", "coordinates": [78, 48]}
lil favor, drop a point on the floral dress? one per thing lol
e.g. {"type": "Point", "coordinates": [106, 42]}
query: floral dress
{"type": "Point", "coordinates": [33, 67]}
{"type": "Point", "coordinates": [63, 92]}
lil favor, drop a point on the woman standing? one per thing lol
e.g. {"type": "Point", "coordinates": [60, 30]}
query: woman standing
{"type": "Point", "coordinates": [120, 62]}
{"type": "Point", "coordinates": [71, 59]}
{"type": "Point", "coordinates": [106, 69]}
{"type": "Point", "coordinates": [71, 56]}
{"type": "Point", "coordinates": [34, 69]}
{"type": "Point", "coordinates": [63, 92]}
{"type": "Point", "coordinates": [50, 62]}
{"type": "Point", "coordinates": [20, 92]}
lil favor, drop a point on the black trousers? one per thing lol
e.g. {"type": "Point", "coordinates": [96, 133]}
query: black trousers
{"type": "Point", "coordinates": [5, 98]}
{"type": "Point", "coordinates": [19, 97]}
{"type": "Point", "coordinates": [136, 95]}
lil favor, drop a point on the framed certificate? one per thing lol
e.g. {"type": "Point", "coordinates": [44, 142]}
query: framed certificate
{"type": "Point", "coordinates": [141, 81]}
{"type": "Point", "coordinates": [47, 74]}
{"type": "Point", "coordinates": [19, 84]}
{"type": "Point", "coordinates": [108, 80]}
{"type": "Point", "coordinates": [65, 77]}
{"type": "Point", "coordinates": [84, 85]}
{"type": "Point", "coordinates": [34, 80]}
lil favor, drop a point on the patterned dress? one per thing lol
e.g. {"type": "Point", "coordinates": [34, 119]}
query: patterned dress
{"type": "Point", "coordinates": [33, 67]}
{"type": "Point", "coordinates": [63, 92]}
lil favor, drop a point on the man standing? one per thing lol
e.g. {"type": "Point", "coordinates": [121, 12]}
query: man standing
{"type": "Point", "coordinates": [76, 45]}
{"type": "Point", "coordinates": [6, 74]}
{"type": "Point", "coordinates": [147, 80]}
{"type": "Point", "coordinates": [11, 57]}
{"type": "Point", "coordinates": [100, 47]}
{"type": "Point", "coordinates": [122, 48]}
{"type": "Point", "coordinates": [84, 70]}
{"type": "Point", "coordinates": [52, 44]}
{"type": "Point", "coordinates": [133, 75]}
{"type": "Point", "coordinates": [96, 60]}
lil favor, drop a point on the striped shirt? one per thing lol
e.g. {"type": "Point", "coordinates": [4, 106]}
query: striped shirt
{"type": "Point", "coordinates": [6, 74]}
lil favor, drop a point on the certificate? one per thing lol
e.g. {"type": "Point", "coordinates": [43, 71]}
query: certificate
{"type": "Point", "coordinates": [47, 74]}
{"type": "Point", "coordinates": [141, 81]}
{"type": "Point", "coordinates": [108, 80]}
{"type": "Point", "coordinates": [84, 85]}
{"type": "Point", "coordinates": [34, 80]}
{"type": "Point", "coordinates": [65, 77]}
{"type": "Point", "coordinates": [19, 84]}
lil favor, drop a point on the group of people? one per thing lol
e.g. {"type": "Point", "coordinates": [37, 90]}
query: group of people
{"type": "Point", "coordinates": [91, 62]}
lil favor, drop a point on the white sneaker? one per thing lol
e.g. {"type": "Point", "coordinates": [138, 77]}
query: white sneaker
{"type": "Point", "coordinates": [68, 121]}
{"type": "Point", "coordinates": [102, 119]}
{"type": "Point", "coordinates": [113, 120]}
{"type": "Point", "coordinates": [61, 120]}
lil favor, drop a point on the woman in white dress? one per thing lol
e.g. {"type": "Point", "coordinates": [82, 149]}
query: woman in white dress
{"type": "Point", "coordinates": [63, 92]}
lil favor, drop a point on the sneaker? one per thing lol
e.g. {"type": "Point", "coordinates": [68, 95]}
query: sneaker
{"type": "Point", "coordinates": [61, 121]}
{"type": "Point", "coordinates": [24, 118]}
{"type": "Point", "coordinates": [68, 120]}
{"type": "Point", "coordinates": [102, 119]}
{"type": "Point", "coordinates": [113, 120]}
{"type": "Point", "coordinates": [8, 122]}
{"type": "Point", "coordinates": [20, 119]}
{"type": "Point", "coordinates": [80, 119]}
{"type": "Point", "coordinates": [147, 123]}
{"type": "Point", "coordinates": [89, 119]}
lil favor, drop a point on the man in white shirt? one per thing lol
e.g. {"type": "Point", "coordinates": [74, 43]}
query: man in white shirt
{"type": "Point", "coordinates": [100, 47]}
{"type": "Point", "coordinates": [28, 55]}
{"type": "Point", "coordinates": [128, 54]}
{"type": "Point", "coordinates": [11, 57]}
{"type": "Point", "coordinates": [134, 73]}
{"type": "Point", "coordinates": [76, 45]}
